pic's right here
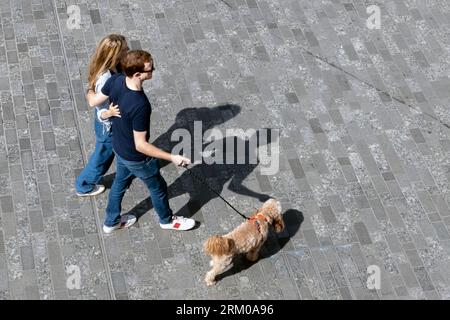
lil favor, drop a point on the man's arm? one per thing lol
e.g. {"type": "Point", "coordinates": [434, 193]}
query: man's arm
{"type": "Point", "coordinates": [150, 150]}
{"type": "Point", "coordinates": [95, 99]}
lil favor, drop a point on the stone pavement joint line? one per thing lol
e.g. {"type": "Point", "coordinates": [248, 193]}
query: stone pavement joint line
{"type": "Point", "coordinates": [71, 92]}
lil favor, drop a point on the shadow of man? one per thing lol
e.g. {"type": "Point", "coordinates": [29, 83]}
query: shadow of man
{"type": "Point", "coordinates": [274, 243]}
{"type": "Point", "coordinates": [217, 175]}
{"type": "Point", "coordinates": [231, 160]}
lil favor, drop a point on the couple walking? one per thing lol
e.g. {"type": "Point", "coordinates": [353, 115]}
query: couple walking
{"type": "Point", "coordinates": [122, 130]}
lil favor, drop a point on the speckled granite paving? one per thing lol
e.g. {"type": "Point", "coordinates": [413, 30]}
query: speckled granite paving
{"type": "Point", "coordinates": [364, 147]}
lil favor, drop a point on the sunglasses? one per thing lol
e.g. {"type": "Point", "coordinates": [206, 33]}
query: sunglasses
{"type": "Point", "coordinates": [151, 70]}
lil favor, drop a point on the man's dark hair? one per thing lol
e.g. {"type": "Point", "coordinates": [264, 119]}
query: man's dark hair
{"type": "Point", "coordinates": [134, 61]}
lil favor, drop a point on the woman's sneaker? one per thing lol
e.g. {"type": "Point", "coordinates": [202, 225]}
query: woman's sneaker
{"type": "Point", "coordinates": [127, 220]}
{"type": "Point", "coordinates": [179, 223]}
{"type": "Point", "coordinates": [97, 190]}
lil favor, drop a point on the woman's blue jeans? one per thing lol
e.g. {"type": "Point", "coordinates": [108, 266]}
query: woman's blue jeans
{"type": "Point", "coordinates": [146, 170]}
{"type": "Point", "coordinates": [99, 162]}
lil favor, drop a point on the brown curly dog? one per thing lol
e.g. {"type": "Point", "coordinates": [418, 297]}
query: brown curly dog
{"type": "Point", "coordinates": [247, 238]}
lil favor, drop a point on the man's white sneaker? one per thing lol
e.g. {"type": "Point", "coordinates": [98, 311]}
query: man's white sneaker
{"type": "Point", "coordinates": [127, 220]}
{"type": "Point", "coordinates": [97, 190]}
{"type": "Point", "coordinates": [179, 223]}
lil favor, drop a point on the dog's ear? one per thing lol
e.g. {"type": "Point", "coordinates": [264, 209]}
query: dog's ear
{"type": "Point", "coordinates": [278, 223]}
{"type": "Point", "coordinates": [219, 246]}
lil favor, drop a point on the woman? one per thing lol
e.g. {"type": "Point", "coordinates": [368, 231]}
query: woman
{"type": "Point", "coordinates": [103, 64]}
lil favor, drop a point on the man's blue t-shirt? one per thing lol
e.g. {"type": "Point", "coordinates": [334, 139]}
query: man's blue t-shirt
{"type": "Point", "coordinates": [135, 110]}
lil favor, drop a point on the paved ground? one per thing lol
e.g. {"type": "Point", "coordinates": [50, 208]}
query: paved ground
{"type": "Point", "coordinates": [364, 148]}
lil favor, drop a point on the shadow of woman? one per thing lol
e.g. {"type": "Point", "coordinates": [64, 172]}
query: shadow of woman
{"type": "Point", "coordinates": [274, 243]}
{"type": "Point", "coordinates": [185, 120]}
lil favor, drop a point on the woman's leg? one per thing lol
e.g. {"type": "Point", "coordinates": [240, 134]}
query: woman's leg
{"type": "Point", "coordinates": [99, 162]}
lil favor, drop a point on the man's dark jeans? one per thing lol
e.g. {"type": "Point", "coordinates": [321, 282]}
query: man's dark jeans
{"type": "Point", "coordinates": [146, 170]}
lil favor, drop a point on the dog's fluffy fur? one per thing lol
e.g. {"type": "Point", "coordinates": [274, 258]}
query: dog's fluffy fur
{"type": "Point", "coordinates": [247, 238]}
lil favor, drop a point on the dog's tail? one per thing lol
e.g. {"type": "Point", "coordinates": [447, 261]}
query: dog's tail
{"type": "Point", "coordinates": [219, 246]}
{"type": "Point", "coordinates": [272, 209]}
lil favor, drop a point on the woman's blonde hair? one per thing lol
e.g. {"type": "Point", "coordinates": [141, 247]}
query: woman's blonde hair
{"type": "Point", "coordinates": [106, 56]}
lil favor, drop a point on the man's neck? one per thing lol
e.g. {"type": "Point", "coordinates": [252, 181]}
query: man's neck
{"type": "Point", "coordinates": [133, 83]}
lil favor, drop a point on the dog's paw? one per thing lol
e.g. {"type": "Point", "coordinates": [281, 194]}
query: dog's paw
{"type": "Point", "coordinates": [209, 281]}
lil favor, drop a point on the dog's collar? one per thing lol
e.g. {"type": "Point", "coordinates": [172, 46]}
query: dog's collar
{"type": "Point", "coordinates": [257, 218]}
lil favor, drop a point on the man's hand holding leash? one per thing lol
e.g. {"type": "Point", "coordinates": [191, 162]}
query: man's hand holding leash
{"type": "Point", "coordinates": [180, 160]}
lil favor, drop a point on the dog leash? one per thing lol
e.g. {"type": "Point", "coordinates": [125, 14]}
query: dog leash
{"type": "Point", "coordinates": [206, 184]}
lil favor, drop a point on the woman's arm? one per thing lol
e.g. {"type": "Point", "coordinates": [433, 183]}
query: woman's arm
{"type": "Point", "coordinates": [95, 99]}
{"type": "Point", "coordinates": [113, 111]}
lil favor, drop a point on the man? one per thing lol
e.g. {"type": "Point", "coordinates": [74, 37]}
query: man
{"type": "Point", "coordinates": [135, 156]}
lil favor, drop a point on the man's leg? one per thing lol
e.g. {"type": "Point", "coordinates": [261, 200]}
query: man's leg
{"type": "Point", "coordinates": [148, 172]}
{"type": "Point", "coordinates": [122, 182]}
{"type": "Point", "coordinates": [157, 187]}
